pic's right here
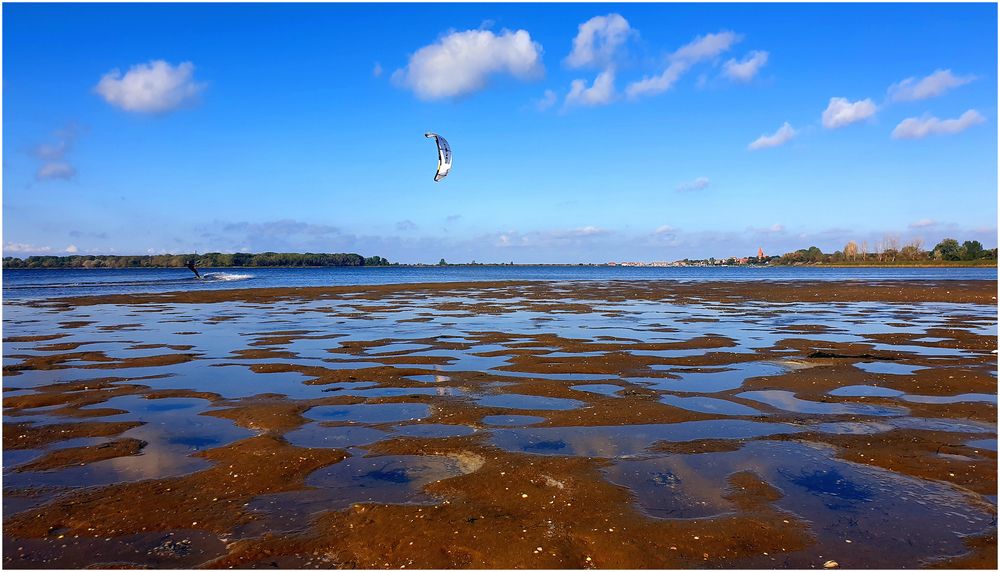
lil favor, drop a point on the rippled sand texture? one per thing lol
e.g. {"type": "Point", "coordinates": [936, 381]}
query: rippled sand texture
{"type": "Point", "coordinates": [538, 425]}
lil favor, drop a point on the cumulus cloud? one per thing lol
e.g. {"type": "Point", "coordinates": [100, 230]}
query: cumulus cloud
{"type": "Point", "coordinates": [918, 128]}
{"type": "Point", "coordinates": [377, 70]}
{"type": "Point", "coordinates": [665, 230]}
{"type": "Point", "coordinates": [700, 49]}
{"type": "Point", "coordinates": [597, 40]}
{"type": "Point", "coordinates": [406, 225]}
{"type": "Point", "coordinates": [746, 69]}
{"type": "Point", "coordinates": [937, 83]}
{"type": "Point", "coordinates": [842, 112]}
{"type": "Point", "coordinates": [462, 62]}
{"type": "Point", "coordinates": [24, 248]}
{"type": "Point", "coordinates": [601, 92]}
{"type": "Point", "coordinates": [154, 87]}
{"type": "Point", "coordinates": [923, 223]}
{"type": "Point", "coordinates": [72, 249]}
{"type": "Point", "coordinates": [548, 99]}
{"type": "Point", "coordinates": [695, 185]}
{"type": "Point", "coordinates": [783, 135]}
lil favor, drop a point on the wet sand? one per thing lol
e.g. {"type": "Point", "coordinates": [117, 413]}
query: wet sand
{"type": "Point", "coordinates": [505, 425]}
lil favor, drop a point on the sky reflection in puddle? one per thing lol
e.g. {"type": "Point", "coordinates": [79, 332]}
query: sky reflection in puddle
{"type": "Point", "coordinates": [533, 402]}
{"type": "Point", "coordinates": [370, 413]}
{"type": "Point", "coordinates": [709, 405]}
{"type": "Point", "coordinates": [627, 440]}
{"type": "Point", "coordinates": [786, 401]}
{"type": "Point", "coordinates": [884, 514]}
{"type": "Point", "coordinates": [512, 420]}
{"type": "Point", "coordinates": [712, 379]}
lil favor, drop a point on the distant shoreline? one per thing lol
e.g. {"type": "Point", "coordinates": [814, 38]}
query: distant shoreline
{"type": "Point", "coordinates": [954, 264]}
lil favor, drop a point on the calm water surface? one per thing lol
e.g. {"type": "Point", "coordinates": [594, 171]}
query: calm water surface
{"type": "Point", "coordinates": [80, 282]}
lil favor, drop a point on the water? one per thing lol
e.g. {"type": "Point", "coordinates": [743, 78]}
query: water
{"type": "Point", "coordinates": [40, 283]}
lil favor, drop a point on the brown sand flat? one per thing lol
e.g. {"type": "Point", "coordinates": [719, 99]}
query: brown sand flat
{"type": "Point", "coordinates": [672, 424]}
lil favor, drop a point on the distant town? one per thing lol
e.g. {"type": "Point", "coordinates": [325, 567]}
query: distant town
{"type": "Point", "coordinates": [759, 260]}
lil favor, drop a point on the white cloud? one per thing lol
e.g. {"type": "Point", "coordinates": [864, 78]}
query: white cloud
{"type": "Point", "coordinates": [587, 231]}
{"type": "Point", "coordinates": [154, 87]}
{"type": "Point", "coordinates": [695, 185]}
{"type": "Point", "coordinates": [918, 128]}
{"type": "Point", "coordinates": [24, 248]}
{"type": "Point", "coordinates": [783, 135]}
{"type": "Point", "coordinates": [55, 163]}
{"type": "Point", "coordinates": [745, 70]}
{"type": "Point", "coordinates": [701, 48]}
{"type": "Point", "coordinates": [597, 39]}
{"type": "Point", "coordinates": [706, 47]}
{"type": "Point", "coordinates": [55, 170]}
{"type": "Point", "coordinates": [548, 238]}
{"type": "Point", "coordinates": [548, 99]}
{"type": "Point", "coordinates": [842, 112]}
{"type": "Point", "coordinates": [72, 249]}
{"type": "Point", "coordinates": [773, 229]}
{"type": "Point", "coordinates": [658, 83]}
{"type": "Point", "coordinates": [462, 62]}
{"type": "Point", "coordinates": [912, 89]}
{"type": "Point", "coordinates": [377, 70]}
{"type": "Point", "coordinates": [600, 93]}
{"type": "Point", "coordinates": [665, 230]}
{"type": "Point", "coordinates": [923, 223]}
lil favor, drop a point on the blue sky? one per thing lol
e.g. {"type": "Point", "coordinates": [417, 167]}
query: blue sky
{"type": "Point", "coordinates": [581, 133]}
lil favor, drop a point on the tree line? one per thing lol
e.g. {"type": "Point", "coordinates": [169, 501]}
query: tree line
{"type": "Point", "coordinates": [890, 251]}
{"type": "Point", "coordinates": [209, 259]}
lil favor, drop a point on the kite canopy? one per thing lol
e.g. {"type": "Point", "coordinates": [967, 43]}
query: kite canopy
{"type": "Point", "coordinates": [444, 156]}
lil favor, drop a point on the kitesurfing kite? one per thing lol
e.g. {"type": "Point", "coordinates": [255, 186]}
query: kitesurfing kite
{"type": "Point", "coordinates": [444, 156]}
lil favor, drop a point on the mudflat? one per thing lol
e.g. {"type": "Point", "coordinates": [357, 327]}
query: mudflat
{"type": "Point", "coordinates": [622, 424]}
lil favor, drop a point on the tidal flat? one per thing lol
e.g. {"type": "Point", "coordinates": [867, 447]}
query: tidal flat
{"type": "Point", "coordinates": [560, 424]}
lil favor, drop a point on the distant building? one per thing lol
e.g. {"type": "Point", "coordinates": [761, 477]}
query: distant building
{"type": "Point", "coordinates": [760, 253]}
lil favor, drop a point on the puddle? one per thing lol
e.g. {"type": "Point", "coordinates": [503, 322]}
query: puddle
{"type": "Point", "coordinates": [627, 440]}
{"type": "Point", "coordinates": [712, 380]}
{"type": "Point", "coordinates": [853, 428]}
{"type": "Point", "coordinates": [888, 367]}
{"type": "Point", "coordinates": [370, 413]}
{"type": "Point", "coordinates": [400, 391]}
{"type": "Point", "coordinates": [884, 514]}
{"type": "Point", "coordinates": [317, 435]}
{"type": "Point", "coordinates": [947, 425]}
{"type": "Point", "coordinates": [709, 405]}
{"type": "Point", "coordinates": [397, 479]}
{"type": "Point", "coordinates": [512, 420]}
{"type": "Point", "coordinates": [173, 431]}
{"type": "Point", "coordinates": [436, 378]}
{"type": "Point", "coordinates": [963, 398]}
{"type": "Point", "coordinates": [600, 388]}
{"type": "Point", "coordinates": [865, 391]}
{"type": "Point", "coordinates": [786, 401]}
{"type": "Point", "coordinates": [534, 402]}
{"type": "Point", "coordinates": [433, 431]}
{"type": "Point", "coordinates": [988, 444]}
